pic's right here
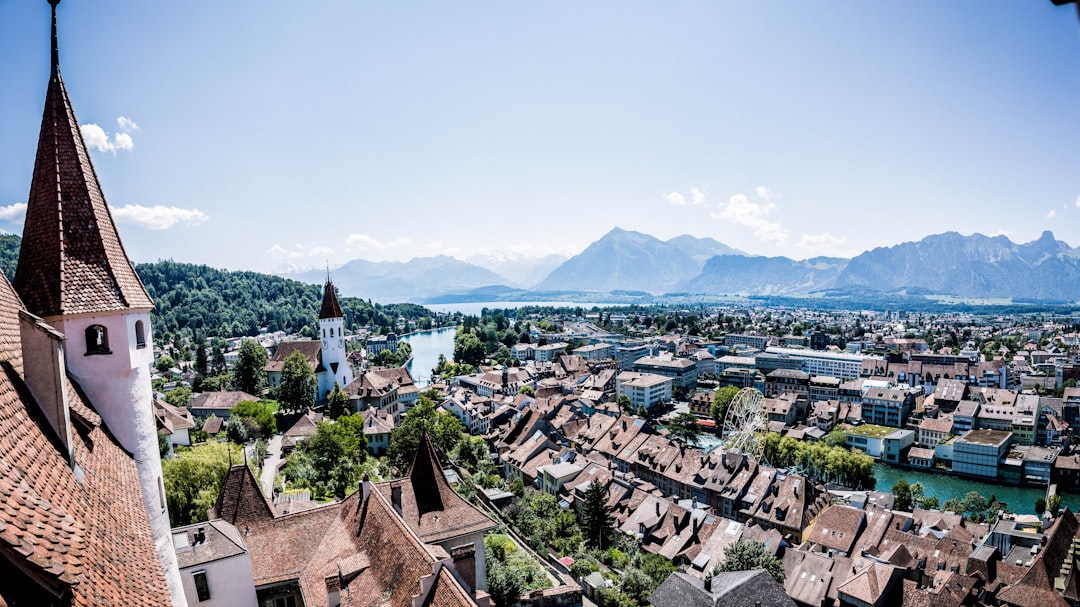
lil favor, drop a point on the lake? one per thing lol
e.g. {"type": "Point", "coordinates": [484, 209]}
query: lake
{"type": "Point", "coordinates": [426, 348]}
{"type": "Point", "coordinates": [474, 308]}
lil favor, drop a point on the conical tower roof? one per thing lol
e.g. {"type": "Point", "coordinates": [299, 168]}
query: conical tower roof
{"type": "Point", "coordinates": [330, 307]}
{"type": "Point", "coordinates": [72, 260]}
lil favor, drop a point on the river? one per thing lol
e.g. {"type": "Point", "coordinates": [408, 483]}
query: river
{"type": "Point", "coordinates": [426, 348]}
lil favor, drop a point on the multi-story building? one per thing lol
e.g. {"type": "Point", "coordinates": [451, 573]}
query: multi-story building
{"type": "Point", "coordinates": [831, 364]}
{"type": "Point", "coordinates": [787, 380]}
{"type": "Point", "coordinates": [380, 343]}
{"type": "Point", "coordinates": [646, 390]}
{"type": "Point", "coordinates": [599, 351]}
{"type": "Point", "coordinates": [757, 342]}
{"type": "Point", "coordinates": [682, 371]}
{"type": "Point", "coordinates": [888, 406]}
{"type": "Point", "coordinates": [628, 352]}
{"type": "Point", "coordinates": [547, 353]}
{"type": "Point", "coordinates": [979, 453]}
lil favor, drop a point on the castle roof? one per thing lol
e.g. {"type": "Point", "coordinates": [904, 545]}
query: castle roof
{"type": "Point", "coordinates": [71, 260]}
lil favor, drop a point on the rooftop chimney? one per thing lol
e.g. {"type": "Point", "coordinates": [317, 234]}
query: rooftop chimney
{"type": "Point", "coordinates": [333, 590]}
{"type": "Point", "coordinates": [395, 498]}
{"type": "Point", "coordinates": [45, 375]}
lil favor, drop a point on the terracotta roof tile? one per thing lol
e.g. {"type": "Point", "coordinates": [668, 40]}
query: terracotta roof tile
{"type": "Point", "coordinates": [330, 307]}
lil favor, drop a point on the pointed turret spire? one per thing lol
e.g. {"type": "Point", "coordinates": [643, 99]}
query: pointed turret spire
{"type": "Point", "coordinates": [71, 260]}
{"type": "Point", "coordinates": [330, 307]}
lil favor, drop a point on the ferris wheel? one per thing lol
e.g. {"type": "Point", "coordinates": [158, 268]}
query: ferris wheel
{"type": "Point", "coordinates": [746, 423]}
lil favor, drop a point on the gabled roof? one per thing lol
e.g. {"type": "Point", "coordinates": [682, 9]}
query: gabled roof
{"type": "Point", "coordinates": [429, 505]}
{"type": "Point", "coordinates": [71, 260]}
{"type": "Point", "coordinates": [330, 307]}
{"type": "Point", "coordinates": [310, 348]}
{"type": "Point", "coordinates": [85, 533]}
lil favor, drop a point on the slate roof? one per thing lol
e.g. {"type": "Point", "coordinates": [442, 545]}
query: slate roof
{"type": "Point", "coordinates": [71, 259]}
{"type": "Point", "coordinates": [330, 307]}
{"type": "Point", "coordinates": [90, 538]}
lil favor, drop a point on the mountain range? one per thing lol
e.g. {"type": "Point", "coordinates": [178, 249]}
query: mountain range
{"type": "Point", "coordinates": [974, 266]}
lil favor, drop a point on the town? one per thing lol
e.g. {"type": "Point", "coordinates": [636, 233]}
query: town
{"type": "Point", "coordinates": [549, 455]}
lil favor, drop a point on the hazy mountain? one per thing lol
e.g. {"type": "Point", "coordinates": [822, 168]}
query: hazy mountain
{"type": "Point", "coordinates": [764, 275]}
{"type": "Point", "coordinates": [626, 260]}
{"type": "Point", "coordinates": [517, 269]}
{"type": "Point", "coordinates": [970, 266]}
{"type": "Point", "coordinates": [946, 264]}
{"type": "Point", "coordinates": [412, 281]}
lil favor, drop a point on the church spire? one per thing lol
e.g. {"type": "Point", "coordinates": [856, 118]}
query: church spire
{"type": "Point", "coordinates": [71, 260]}
{"type": "Point", "coordinates": [330, 307]}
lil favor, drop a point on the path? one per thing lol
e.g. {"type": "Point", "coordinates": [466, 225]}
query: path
{"type": "Point", "coordinates": [270, 465]}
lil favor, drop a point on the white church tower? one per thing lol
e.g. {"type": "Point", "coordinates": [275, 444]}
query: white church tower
{"type": "Point", "coordinates": [332, 334]}
{"type": "Point", "coordinates": [73, 272]}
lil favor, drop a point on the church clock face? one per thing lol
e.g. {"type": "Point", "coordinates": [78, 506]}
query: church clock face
{"type": "Point", "coordinates": [325, 344]}
{"type": "Point", "coordinates": [340, 343]}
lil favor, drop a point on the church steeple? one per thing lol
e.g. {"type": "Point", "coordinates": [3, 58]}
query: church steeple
{"type": "Point", "coordinates": [330, 307]}
{"type": "Point", "coordinates": [71, 260]}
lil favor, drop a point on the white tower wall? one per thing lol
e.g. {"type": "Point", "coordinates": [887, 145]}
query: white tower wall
{"type": "Point", "coordinates": [118, 385]}
{"type": "Point", "coordinates": [332, 334]}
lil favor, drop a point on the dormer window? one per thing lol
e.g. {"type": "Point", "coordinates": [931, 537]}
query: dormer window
{"type": "Point", "coordinates": [140, 334]}
{"type": "Point", "coordinates": [97, 340]}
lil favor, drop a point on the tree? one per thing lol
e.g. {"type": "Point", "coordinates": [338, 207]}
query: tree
{"type": "Point", "coordinates": [179, 396]}
{"type": "Point", "coordinates": [443, 427]}
{"type": "Point", "coordinates": [720, 403]}
{"type": "Point", "coordinates": [468, 348]}
{"type": "Point", "coordinates": [330, 461]}
{"type": "Point", "coordinates": [337, 402]}
{"type": "Point", "coordinates": [193, 478]}
{"type": "Point", "coordinates": [930, 503]}
{"type": "Point", "coordinates": [684, 427]}
{"type": "Point", "coordinates": [504, 582]}
{"type": "Point", "coordinates": [625, 405]}
{"type": "Point", "coordinates": [249, 373]}
{"type": "Point", "coordinates": [527, 391]}
{"type": "Point", "coordinates": [596, 517]}
{"type": "Point", "coordinates": [297, 390]}
{"type": "Point", "coordinates": [1040, 506]}
{"type": "Point", "coordinates": [257, 417]}
{"type": "Point", "coordinates": [917, 493]}
{"type": "Point", "coordinates": [1053, 503]}
{"type": "Point", "coordinates": [745, 556]}
{"type": "Point", "coordinates": [902, 494]}
{"type": "Point", "coordinates": [164, 363]}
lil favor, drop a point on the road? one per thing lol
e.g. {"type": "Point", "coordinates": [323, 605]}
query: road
{"type": "Point", "coordinates": [269, 465]}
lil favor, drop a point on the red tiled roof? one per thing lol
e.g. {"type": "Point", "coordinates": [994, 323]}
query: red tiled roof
{"type": "Point", "coordinates": [310, 348]}
{"type": "Point", "coordinates": [90, 536]}
{"type": "Point", "coordinates": [71, 260]}
{"type": "Point", "coordinates": [330, 307]}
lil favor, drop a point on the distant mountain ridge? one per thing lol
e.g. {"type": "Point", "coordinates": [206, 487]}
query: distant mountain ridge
{"type": "Point", "coordinates": [974, 266]}
{"type": "Point", "coordinates": [632, 261]}
{"type": "Point", "coordinates": [403, 281]}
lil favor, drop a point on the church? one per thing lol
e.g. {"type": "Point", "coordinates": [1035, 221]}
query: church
{"type": "Point", "coordinates": [83, 517]}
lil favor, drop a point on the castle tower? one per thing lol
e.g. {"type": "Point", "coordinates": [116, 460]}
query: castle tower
{"type": "Point", "coordinates": [73, 272]}
{"type": "Point", "coordinates": [332, 334]}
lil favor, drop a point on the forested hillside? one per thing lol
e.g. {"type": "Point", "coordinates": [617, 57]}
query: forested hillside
{"type": "Point", "coordinates": [215, 302]}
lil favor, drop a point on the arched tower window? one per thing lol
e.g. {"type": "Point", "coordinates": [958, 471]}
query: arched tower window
{"type": "Point", "coordinates": [140, 334]}
{"type": "Point", "coordinates": [97, 340]}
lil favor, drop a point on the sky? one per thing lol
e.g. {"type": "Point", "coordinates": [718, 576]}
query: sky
{"type": "Point", "coordinates": [279, 134]}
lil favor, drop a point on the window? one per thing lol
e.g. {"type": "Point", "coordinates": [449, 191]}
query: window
{"type": "Point", "coordinates": [140, 334]}
{"type": "Point", "coordinates": [285, 601]}
{"type": "Point", "coordinates": [201, 587]}
{"type": "Point", "coordinates": [97, 340]}
{"type": "Point", "coordinates": [161, 492]}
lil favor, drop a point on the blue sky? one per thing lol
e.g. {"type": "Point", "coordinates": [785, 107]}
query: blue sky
{"type": "Point", "coordinates": [253, 135]}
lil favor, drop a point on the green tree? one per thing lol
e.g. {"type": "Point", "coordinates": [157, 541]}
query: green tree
{"type": "Point", "coordinates": [192, 479]}
{"type": "Point", "coordinates": [330, 461]}
{"type": "Point", "coordinates": [596, 517]}
{"type": "Point", "coordinates": [527, 391]}
{"type": "Point", "coordinates": [902, 493]}
{"type": "Point", "coordinates": [179, 396]}
{"type": "Point", "coordinates": [297, 390]}
{"type": "Point", "coordinates": [468, 348]}
{"type": "Point", "coordinates": [504, 582]}
{"type": "Point", "coordinates": [337, 402]}
{"type": "Point", "coordinates": [918, 490]}
{"type": "Point", "coordinates": [745, 556]}
{"type": "Point", "coordinates": [164, 363]}
{"type": "Point", "coordinates": [930, 503]}
{"type": "Point", "coordinates": [257, 417]}
{"type": "Point", "coordinates": [720, 403]}
{"type": "Point", "coordinates": [1053, 503]}
{"type": "Point", "coordinates": [625, 405]}
{"type": "Point", "coordinates": [684, 428]}
{"type": "Point", "coordinates": [249, 373]}
{"type": "Point", "coordinates": [1040, 506]}
{"type": "Point", "coordinates": [444, 429]}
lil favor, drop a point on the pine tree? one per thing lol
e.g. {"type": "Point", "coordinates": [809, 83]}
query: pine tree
{"type": "Point", "coordinates": [597, 517]}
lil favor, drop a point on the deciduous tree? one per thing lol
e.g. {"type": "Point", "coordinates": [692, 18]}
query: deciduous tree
{"type": "Point", "coordinates": [297, 390]}
{"type": "Point", "coordinates": [249, 373]}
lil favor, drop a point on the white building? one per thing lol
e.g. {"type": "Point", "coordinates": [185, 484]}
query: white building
{"type": "Point", "coordinates": [832, 364]}
{"type": "Point", "coordinates": [214, 565]}
{"type": "Point", "coordinates": [643, 389]}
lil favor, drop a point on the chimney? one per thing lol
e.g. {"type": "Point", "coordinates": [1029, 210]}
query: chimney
{"type": "Point", "coordinates": [708, 583]}
{"type": "Point", "coordinates": [657, 507]}
{"type": "Point", "coordinates": [695, 523]}
{"type": "Point", "coordinates": [365, 488]}
{"type": "Point", "coordinates": [395, 498]}
{"type": "Point", "coordinates": [333, 590]}
{"type": "Point", "coordinates": [200, 535]}
{"type": "Point", "coordinates": [624, 424]}
{"type": "Point", "coordinates": [45, 374]}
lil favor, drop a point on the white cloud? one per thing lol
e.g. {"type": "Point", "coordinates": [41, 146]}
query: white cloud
{"type": "Point", "coordinates": [740, 210]}
{"type": "Point", "coordinates": [1077, 202]}
{"type": "Point", "coordinates": [826, 244]}
{"type": "Point", "coordinates": [299, 251]}
{"type": "Point", "coordinates": [15, 213]}
{"type": "Point", "coordinates": [765, 193]}
{"type": "Point", "coordinates": [675, 198]}
{"type": "Point", "coordinates": [126, 125]}
{"type": "Point", "coordinates": [1052, 214]}
{"type": "Point", "coordinates": [158, 217]}
{"type": "Point", "coordinates": [96, 138]}
{"type": "Point", "coordinates": [363, 242]}
{"type": "Point", "coordinates": [1002, 232]}
{"type": "Point", "coordinates": [697, 197]}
